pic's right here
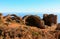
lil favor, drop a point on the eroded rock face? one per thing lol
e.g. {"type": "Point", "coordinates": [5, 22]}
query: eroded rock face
{"type": "Point", "coordinates": [50, 19]}
{"type": "Point", "coordinates": [33, 21]}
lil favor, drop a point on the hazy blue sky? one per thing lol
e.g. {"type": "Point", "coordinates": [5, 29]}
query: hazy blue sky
{"type": "Point", "coordinates": [30, 6]}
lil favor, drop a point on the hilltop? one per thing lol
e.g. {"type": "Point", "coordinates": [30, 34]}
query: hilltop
{"type": "Point", "coordinates": [29, 27]}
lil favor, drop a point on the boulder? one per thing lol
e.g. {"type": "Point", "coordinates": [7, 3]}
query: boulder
{"type": "Point", "coordinates": [50, 19]}
{"type": "Point", "coordinates": [33, 20]}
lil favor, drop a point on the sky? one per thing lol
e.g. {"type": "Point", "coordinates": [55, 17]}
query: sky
{"type": "Point", "coordinates": [45, 6]}
{"type": "Point", "coordinates": [30, 6]}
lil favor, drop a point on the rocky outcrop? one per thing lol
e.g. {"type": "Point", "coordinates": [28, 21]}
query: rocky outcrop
{"type": "Point", "coordinates": [50, 19]}
{"type": "Point", "coordinates": [29, 27]}
{"type": "Point", "coordinates": [33, 20]}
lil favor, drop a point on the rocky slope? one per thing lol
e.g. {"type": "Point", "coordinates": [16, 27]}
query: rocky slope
{"type": "Point", "coordinates": [16, 28]}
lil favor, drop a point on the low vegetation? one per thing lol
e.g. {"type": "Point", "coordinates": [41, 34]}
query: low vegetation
{"type": "Point", "coordinates": [14, 27]}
